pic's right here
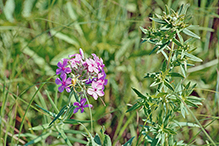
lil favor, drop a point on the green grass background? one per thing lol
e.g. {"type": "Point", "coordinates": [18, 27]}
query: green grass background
{"type": "Point", "coordinates": [36, 34]}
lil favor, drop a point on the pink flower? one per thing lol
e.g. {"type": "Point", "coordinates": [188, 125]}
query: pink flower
{"type": "Point", "coordinates": [92, 66]}
{"type": "Point", "coordinates": [64, 83]}
{"type": "Point", "coordinates": [82, 53]}
{"type": "Point", "coordinates": [96, 90]}
{"type": "Point", "coordinates": [62, 69]}
{"type": "Point", "coordinates": [81, 105]}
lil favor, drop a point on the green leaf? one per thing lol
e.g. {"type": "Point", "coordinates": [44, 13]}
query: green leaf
{"type": "Point", "coordinates": [145, 31]}
{"type": "Point", "coordinates": [52, 103]}
{"type": "Point", "coordinates": [158, 20]}
{"type": "Point", "coordinates": [180, 37]}
{"type": "Point", "coordinates": [139, 93]}
{"type": "Point", "coordinates": [40, 127]}
{"type": "Point", "coordinates": [184, 124]}
{"type": "Point", "coordinates": [134, 107]}
{"type": "Point", "coordinates": [169, 131]}
{"type": "Point", "coordinates": [168, 85]}
{"type": "Point", "coordinates": [9, 10]}
{"type": "Point", "coordinates": [183, 109]}
{"type": "Point", "coordinates": [176, 42]}
{"type": "Point", "coordinates": [192, 57]}
{"type": "Point", "coordinates": [190, 33]}
{"type": "Point", "coordinates": [107, 141]}
{"type": "Point", "coordinates": [153, 49]}
{"type": "Point", "coordinates": [183, 70]}
{"type": "Point", "coordinates": [175, 74]}
{"type": "Point", "coordinates": [182, 10]}
{"type": "Point", "coordinates": [39, 138]}
{"type": "Point", "coordinates": [59, 114]}
{"type": "Point", "coordinates": [161, 94]}
{"type": "Point", "coordinates": [46, 111]}
{"type": "Point", "coordinates": [28, 5]}
{"type": "Point", "coordinates": [164, 66]}
{"type": "Point", "coordinates": [65, 38]}
{"type": "Point", "coordinates": [74, 121]}
{"type": "Point", "coordinates": [129, 142]}
{"type": "Point", "coordinates": [97, 139]}
{"type": "Point", "coordinates": [190, 103]}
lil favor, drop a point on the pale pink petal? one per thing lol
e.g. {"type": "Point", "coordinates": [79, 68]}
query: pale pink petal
{"type": "Point", "coordinates": [100, 92]}
{"type": "Point", "coordinates": [68, 89]}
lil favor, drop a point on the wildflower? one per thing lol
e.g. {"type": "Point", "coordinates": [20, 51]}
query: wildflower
{"type": "Point", "coordinates": [87, 73]}
{"type": "Point", "coordinates": [64, 83]}
{"type": "Point", "coordinates": [92, 65]}
{"type": "Point", "coordinates": [81, 105]}
{"type": "Point", "coordinates": [97, 89]}
{"type": "Point", "coordinates": [62, 67]}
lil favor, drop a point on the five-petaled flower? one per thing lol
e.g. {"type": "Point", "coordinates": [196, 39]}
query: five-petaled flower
{"type": "Point", "coordinates": [81, 105]}
{"type": "Point", "coordinates": [64, 83]}
{"type": "Point", "coordinates": [62, 67]}
{"type": "Point", "coordinates": [97, 89]}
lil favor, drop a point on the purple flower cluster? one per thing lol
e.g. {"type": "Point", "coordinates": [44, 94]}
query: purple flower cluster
{"type": "Point", "coordinates": [87, 72]}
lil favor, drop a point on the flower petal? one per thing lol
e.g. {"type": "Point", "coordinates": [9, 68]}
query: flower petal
{"type": "Point", "coordinates": [76, 110]}
{"type": "Point", "coordinates": [83, 101]}
{"type": "Point", "coordinates": [61, 88]}
{"type": "Point", "coordinates": [76, 104]}
{"type": "Point", "coordinates": [100, 92]}
{"type": "Point", "coordinates": [58, 71]}
{"type": "Point", "coordinates": [82, 110]}
{"type": "Point", "coordinates": [90, 91]}
{"type": "Point", "coordinates": [59, 64]}
{"type": "Point", "coordinates": [63, 76]}
{"type": "Point", "coordinates": [58, 81]}
{"type": "Point", "coordinates": [68, 89]}
{"type": "Point", "coordinates": [65, 62]}
{"type": "Point", "coordinates": [67, 70]}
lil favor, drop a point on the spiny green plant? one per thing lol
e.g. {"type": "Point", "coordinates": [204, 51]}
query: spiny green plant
{"type": "Point", "coordinates": [173, 93]}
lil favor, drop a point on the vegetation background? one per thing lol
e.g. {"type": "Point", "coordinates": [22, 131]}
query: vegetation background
{"type": "Point", "coordinates": [36, 34]}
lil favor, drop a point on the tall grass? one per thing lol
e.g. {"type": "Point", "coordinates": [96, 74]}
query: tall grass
{"type": "Point", "coordinates": [35, 35]}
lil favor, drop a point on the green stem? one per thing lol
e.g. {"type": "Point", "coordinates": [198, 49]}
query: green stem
{"type": "Point", "coordinates": [91, 118]}
{"type": "Point", "coordinates": [171, 53]}
{"type": "Point", "coordinates": [22, 122]}
{"type": "Point", "coordinates": [199, 124]}
{"type": "Point", "coordinates": [196, 120]}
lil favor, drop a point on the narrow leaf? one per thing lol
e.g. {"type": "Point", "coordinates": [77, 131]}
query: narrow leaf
{"type": "Point", "coordinates": [39, 138]}
{"type": "Point", "coordinates": [134, 107]}
{"type": "Point", "coordinates": [176, 42]}
{"type": "Point", "coordinates": [145, 31]}
{"type": "Point", "coordinates": [153, 49]}
{"type": "Point", "coordinates": [190, 33]}
{"type": "Point", "coordinates": [175, 74]}
{"type": "Point", "coordinates": [139, 93]}
{"type": "Point", "coordinates": [158, 20]}
{"type": "Point", "coordinates": [192, 57]}
{"type": "Point", "coordinates": [129, 142]}
{"type": "Point", "coordinates": [168, 85]}
{"type": "Point", "coordinates": [58, 115]}
{"type": "Point", "coordinates": [46, 111]}
{"type": "Point", "coordinates": [40, 127]}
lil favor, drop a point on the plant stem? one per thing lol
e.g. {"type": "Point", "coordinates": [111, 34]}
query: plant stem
{"type": "Point", "coordinates": [171, 53]}
{"type": "Point", "coordinates": [197, 121]}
